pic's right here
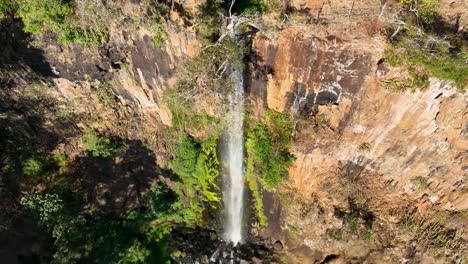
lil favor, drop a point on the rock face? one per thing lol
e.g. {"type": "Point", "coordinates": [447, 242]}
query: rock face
{"type": "Point", "coordinates": [405, 149]}
{"type": "Point", "coordinates": [300, 80]}
{"type": "Point", "coordinates": [142, 70]}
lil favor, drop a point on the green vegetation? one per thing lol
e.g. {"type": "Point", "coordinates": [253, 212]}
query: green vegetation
{"type": "Point", "coordinates": [196, 164]}
{"type": "Point", "coordinates": [185, 117]}
{"type": "Point", "coordinates": [5, 7]}
{"type": "Point", "coordinates": [39, 15]}
{"type": "Point", "coordinates": [365, 146]}
{"type": "Point", "coordinates": [247, 6]}
{"type": "Point", "coordinates": [45, 207]}
{"type": "Point", "coordinates": [268, 158]}
{"type": "Point", "coordinates": [160, 37]}
{"type": "Point", "coordinates": [86, 37]}
{"type": "Point", "coordinates": [80, 236]}
{"type": "Point", "coordinates": [268, 145]}
{"type": "Point", "coordinates": [58, 16]}
{"type": "Point", "coordinates": [100, 146]}
{"type": "Point", "coordinates": [75, 21]}
{"type": "Point", "coordinates": [424, 11]}
{"type": "Point", "coordinates": [253, 184]}
{"type": "Point", "coordinates": [422, 52]}
{"type": "Point", "coordinates": [32, 167]}
{"type": "Point", "coordinates": [205, 73]}
{"type": "Point", "coordinates": [431, 231]}
{"type": "Point", "coordinates": [105, 94]}
{"type": "Point", "coordinates": [420, 183]}
{"type": "Point", "coordinates": [208, 21]}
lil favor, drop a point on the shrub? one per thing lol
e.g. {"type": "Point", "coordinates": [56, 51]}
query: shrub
{"type": "Point", "coordinates": [87, 37]}
{"type": "Point", "coordinates": [32, 167]}
{"type": "Point", "coordinates": [424, 10]}
{"type": "Point", "coordinates": [196, 163]}
{"type": "Point", "coordinates": [205, 72]}
{"type": "Point", "coordinates": [280, 128]}
{"type": "Point", "coordinates": [422, 54]}
{"type": "Point", "coordinates": [272, 161]}
{"type": "Point", "coordinates": [45, 207]}
{"type": "Point", "coordinates": [160, 37]}
{"type": "Point", "coordinates": [420, 183]}
{"type": "Point", "coordinates": [365, 146]}
{"type": "Point", "coordinates": [248, 6]}
{"type": "Point", "coordinates": [161, 199]}
{"type": "Point", "coordinates": [39, 15]}
{"type": "Point", "coordinates": [100, 146]}
{"type": "Point", "coordinates": [5, 7]}
{"type": "Point", "coordinates": [209, 21]}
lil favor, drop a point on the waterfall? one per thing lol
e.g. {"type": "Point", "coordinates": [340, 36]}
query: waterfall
{"type": "Point", "coordinates": [233, 154]}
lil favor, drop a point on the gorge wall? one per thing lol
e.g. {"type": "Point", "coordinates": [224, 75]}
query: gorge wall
{"type": "Point", "coordinates": [379, 176]}
{"type": "Point", "coordinates": [404, 151]}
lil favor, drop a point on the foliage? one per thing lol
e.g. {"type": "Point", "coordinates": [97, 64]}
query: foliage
{"type": "Point", "coordinates": [64, 18]}
{"type": "Point", "coordinates": [425, 54]}
{"type": "Point", "coordinates": [270, 149]}
{"type": "Point", "coordinates": [186, 118]}
{"type": "Point", "coordinates": [100, 146]}
{"type": "Point", "coordinates": [105, 94]}
{"type": "Point", "coordinates": [160, 37]}
{"type": "Point", "coordinates": [136, 254]}
{"type": "Point", "coordinates": [32, 167]}
{"type": "Point", "coordinates": [209, 21]}
{"type": "Point", "coordinates": [5, 7]}
{"type": "Point", "coordinates": [280, 128]}
{"type": "Point", "coordinates": [39, 15]}
{"type": "Point", "coordinates": [86, 36]}
{"type": "Point", "coordinates": [44, 168]}
{"type": "Point", "coordinates": [196, 163]}
{"type": "Point", "coordinates": [161, 199]}
{"type": "Point", "coordinates": [365, 146]}
{"type": "Point", "coordinates": [45, 207]}
{"type": "Point", "coordinates": [205, 73]}
{"type": "Point", "coordinates": [420, 183]}
{"type": "Point", "coordinates": [248, 6]}
{"type": "Point", "coordinates": [83, 237]}
{"type": "Point", "coordinates": [424, 11]}
{"type": "Point", "coordinates": [433, 232]}
{"type": "Point", "coordinates": [251, 179]}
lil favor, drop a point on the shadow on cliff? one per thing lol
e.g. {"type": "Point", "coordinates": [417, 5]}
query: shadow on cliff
{"type": "Point", "coordinates": [114, 184]}
{"type": "Point", "coordinates": [26, 133]}
{"type": "Point", "coordinates": [16, 51]}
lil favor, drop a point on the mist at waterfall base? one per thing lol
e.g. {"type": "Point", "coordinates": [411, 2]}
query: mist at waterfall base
{"type": "Point", "coordinates": [233, 156]}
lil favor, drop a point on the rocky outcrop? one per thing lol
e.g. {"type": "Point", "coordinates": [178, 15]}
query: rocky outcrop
{"type": "Point", "coordinates": [137, 70]}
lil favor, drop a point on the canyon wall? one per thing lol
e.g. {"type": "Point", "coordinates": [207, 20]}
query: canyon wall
{"type": "Point", "coordinates": [403, 151]}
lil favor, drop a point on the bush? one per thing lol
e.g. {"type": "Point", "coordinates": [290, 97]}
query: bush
{"type": "Point", "coordinates": [247, 6]}
{"type": "Point", "coordinates": [32, 167]}
{"type": "Point", "coordinates": [196, 163]}
{"type": "Point", "coordinates": [280, 128]}
{"type": "Point", "coordinates": [270, 159]}
{"type": "Point", "coordinates": [87, 37]}
{"type": "Point", "coordinates": [45, 207]}
{"type": "Point", "coordinates": [160, 37]}
{"type": "Point", "coordinates": [39, 15]}
{"type": "Point", "coordinates": [5, 7]}
{"type": "Point", "coordinates": [426, 10]}
{"type": "Point", "coordinates": [422, 54]}
{"type": "Point", "coordinates": [100, 146]}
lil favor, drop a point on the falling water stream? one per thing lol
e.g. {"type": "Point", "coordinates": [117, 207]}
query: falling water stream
{"type": "Point", "coordinates": [233, 187]}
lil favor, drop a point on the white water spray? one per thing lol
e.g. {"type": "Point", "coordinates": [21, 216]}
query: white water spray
{"type": "Point", "coordinates": [233, 154]}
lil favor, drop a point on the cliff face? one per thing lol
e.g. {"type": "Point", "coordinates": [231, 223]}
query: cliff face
{"type": "Point", "coordinates": [403, 151]}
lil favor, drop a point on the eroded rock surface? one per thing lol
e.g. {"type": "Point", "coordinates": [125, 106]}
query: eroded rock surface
{"type": "Point", "coordinates": [366, 150]}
